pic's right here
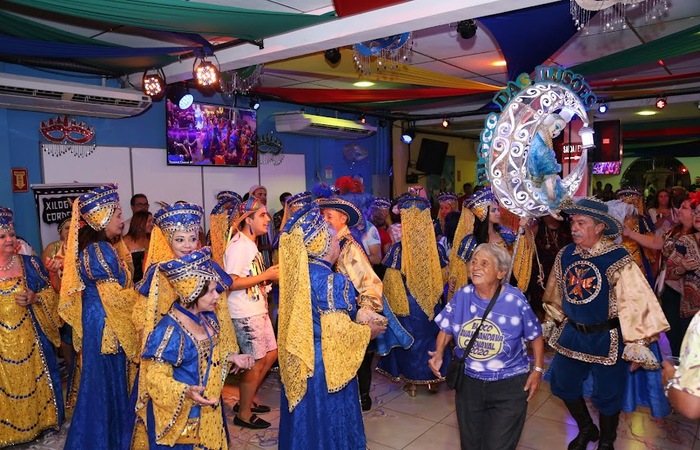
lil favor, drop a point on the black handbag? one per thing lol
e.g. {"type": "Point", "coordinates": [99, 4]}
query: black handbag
{"type": "Point", "coordinates": [455, 371]}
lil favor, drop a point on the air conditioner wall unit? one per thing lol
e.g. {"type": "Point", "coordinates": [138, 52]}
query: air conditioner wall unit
{"type": "Point", "coordinates": [301, 123]}
{"type": "Point", "coordinates": [54, 96]}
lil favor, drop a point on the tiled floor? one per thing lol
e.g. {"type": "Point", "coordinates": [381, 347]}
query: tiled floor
{"type": "Point", "coordinates": [428, 421]}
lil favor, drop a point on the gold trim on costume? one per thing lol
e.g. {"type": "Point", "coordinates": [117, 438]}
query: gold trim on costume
{"type": "Point", "coordinates": [343, 345]}
{"type": "Point", "coordinates": [395, 292]}
{"type": "Point", "coordinates": [295, 324]}
{"type": "Point", "coordinates": [608, 360]}
{"type": "Point", "coordinates": [420, 262]}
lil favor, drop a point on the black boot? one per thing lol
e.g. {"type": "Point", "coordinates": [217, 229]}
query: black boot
{"type": "Point", "coordinates": [587, 431]}
{"type": "Point", "coordinates": [608, 431]}
{"type": "Point", "coordinates": [364, 381]}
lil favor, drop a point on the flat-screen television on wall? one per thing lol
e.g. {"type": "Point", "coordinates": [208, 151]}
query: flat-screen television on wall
{"type": "Point", "coordinates": [607, 168]}
{"type": "Point", "coordinates": [205, 134]}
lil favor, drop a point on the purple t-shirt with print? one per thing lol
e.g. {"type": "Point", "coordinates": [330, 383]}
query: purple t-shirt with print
{"type": "Point", "coordinates": [499, 351]}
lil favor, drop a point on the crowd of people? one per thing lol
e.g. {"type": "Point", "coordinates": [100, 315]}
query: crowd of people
{"type": "Point", "coordinates": [155, 315]}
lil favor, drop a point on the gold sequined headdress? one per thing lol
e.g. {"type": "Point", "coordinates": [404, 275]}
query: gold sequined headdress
{"type": "Point", "coordinates": [480, 202]}
{"type": "Point", "coordinates": [191, 273]}
{"type": "Point", "coordinates": [7, 222]}
{"type": "Point", "coordinates": [222, 216]}
{"type": "Point", "coordinates": [633, 197]}
{"type": "Point", "coordinates": [98, 205]}
{"type": "Point", "coordinates": [180, 217]}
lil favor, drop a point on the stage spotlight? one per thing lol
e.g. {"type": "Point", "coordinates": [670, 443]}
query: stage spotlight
{"type": "Point", "coordinates": [467, 28]}
{"type": "Point", "coordinates": [603, 108]}
{"type": "Point", "coordinates": [254, 103]}
{"type": "Point", "coordinates": [408, 135]}
{"type": "Point", "coordinates": [205, 74]}
{"type": "Point", "coordinates": [332, 55]}
{"type": "Point", "coordinates": [180, 95]}
{"type": "Point", "coordinates": [445, 122]}
{"type": "Point", "coordinates": [363, 119]}
{"type": "Point", "coordinates": [153, 84]}
{"type": "Point", "coordinates": [661, 103]}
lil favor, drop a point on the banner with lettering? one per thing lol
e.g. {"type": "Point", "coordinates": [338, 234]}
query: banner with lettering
{"type": "Point", "coordinates": [53, 205]}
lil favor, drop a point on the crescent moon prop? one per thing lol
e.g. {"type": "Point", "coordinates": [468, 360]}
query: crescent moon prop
{"type": "Point", "coordinates": [506, 142]}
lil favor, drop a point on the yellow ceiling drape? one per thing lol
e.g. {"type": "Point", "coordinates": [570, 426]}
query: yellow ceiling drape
{"type": "Point", "coordinates": [404, 74]}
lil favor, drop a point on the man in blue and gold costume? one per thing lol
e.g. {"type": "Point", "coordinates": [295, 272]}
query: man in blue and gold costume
{"type": "Point", "coordinates": [606, 317]}
{"type": "Point", "coordinates": [321, 343]}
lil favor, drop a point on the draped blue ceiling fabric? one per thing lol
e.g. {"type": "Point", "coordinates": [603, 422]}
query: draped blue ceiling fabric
{"type": "Point", "coordinates": [528, 37]}
{"type": "Point", "coordinates": [382, 154]}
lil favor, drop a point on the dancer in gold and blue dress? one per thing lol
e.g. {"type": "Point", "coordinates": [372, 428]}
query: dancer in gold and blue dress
{"type": "Point", "coordinates": [97, 300]}
{"type": "Point", "coordinates": [320, 346]}
{"type": "Point", "coordinates": [31, 400]}
{"type": "Point", "coordinates": [185, 361]}
{"type": "Point", "coordinates": [480, 223]}
{"type": "Point", "coordinates": [413, 285]}
{"type": "Point", "coordinates": [175, 235]}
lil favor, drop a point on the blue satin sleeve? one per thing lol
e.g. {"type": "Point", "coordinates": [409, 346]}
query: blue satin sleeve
{"type": "Point", "coordinates": [169, 343]}
{"type": "Point", "coordinates": [144, 285]}
{"type": "Point", "coordinates": [226, 279]}
{"type": "Point", "coordinates": [101, 262]}
{"type": "Point", "coordinates": [36, 275]}
{"type": "Point", "coordinates": [339, 292]}
{"type": "Point", "coordinates": [466, 247]}
{"type": "Point", "coordinates": [442, 254]}
{"type": "Point", "coordinates": [392, 259]}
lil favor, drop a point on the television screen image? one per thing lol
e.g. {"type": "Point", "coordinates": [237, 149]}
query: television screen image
{"type": "Point", "coordinates": [607, 168]}
{"type": "Point", "coordinates": [211, 135]}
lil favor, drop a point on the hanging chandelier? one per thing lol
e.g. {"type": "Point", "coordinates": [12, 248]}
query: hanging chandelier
{"type": "Point", "coordinates": [240, 81]}
{"type": "Point", "coordinates": [384, 53]}
{"type": "Point", "coordinates": [614, 11]}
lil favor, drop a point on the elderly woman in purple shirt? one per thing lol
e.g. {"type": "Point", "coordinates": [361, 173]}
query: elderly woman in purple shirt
{"type": "Point", "coordinates": [491, 398]}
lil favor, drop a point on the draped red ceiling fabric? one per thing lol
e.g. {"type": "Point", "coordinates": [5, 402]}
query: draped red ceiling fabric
{"type": "Point", "coordinates": [349, 7]}
{"type": "Point", "coordinates": [302, 95]}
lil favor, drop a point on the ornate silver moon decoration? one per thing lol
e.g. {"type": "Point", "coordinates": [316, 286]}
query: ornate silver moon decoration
{"type": "Point", "coordinates": [507, 137]}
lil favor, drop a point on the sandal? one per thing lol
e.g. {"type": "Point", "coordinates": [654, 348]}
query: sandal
{"type": "Point", "coordinates": [411, 389]}
{"type": "Point", "coordinates": [256, 408]}
{"type": "Point", "coordinates": [255, 423]}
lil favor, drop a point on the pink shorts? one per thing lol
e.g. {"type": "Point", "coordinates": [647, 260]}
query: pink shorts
{"type": "Point", "coordinates": [255, 335]}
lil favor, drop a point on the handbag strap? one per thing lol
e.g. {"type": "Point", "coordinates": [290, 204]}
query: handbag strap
{"type": "Point", "coordinates": [470, 344]}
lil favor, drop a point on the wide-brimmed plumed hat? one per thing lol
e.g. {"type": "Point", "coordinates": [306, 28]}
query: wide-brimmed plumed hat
{"type": "Point", "coordinates": [98, 205]}
{"type": "Point", "coordinates": [344, 207]}
{"type": "Point", "coordinates": [190, 274]}
{"type": "Point", "coordinates": [592, 207]}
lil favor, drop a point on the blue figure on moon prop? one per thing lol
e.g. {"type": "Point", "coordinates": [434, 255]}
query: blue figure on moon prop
{"type": "Point", "coordinates": [516, 152]}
